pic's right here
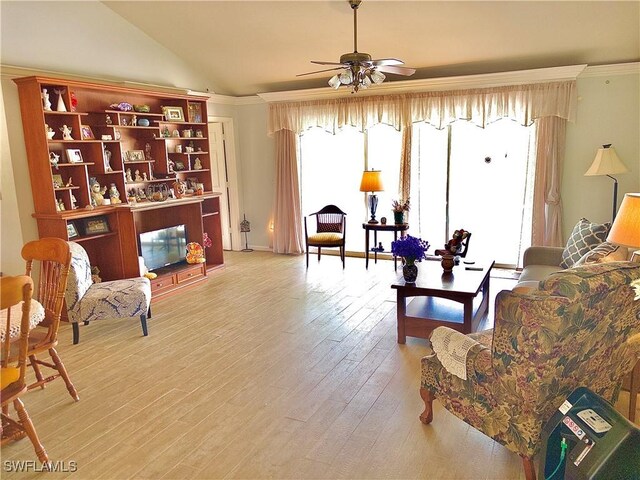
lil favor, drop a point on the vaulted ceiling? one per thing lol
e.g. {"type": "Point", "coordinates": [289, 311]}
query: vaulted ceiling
{"type": "Point", "coordinates": [247, 47]}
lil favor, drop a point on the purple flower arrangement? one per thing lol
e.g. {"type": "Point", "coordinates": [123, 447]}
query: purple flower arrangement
{"type": "Point", "coordinates": [412, 249]}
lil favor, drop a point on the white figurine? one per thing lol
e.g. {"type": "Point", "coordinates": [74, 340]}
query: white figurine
{"type": "Point", "coordinates": [49, 131]}
{"type": "Point", "coordinates": [45, 100]}
{"type": "Point", "coordinates": [114, 194]}
{"type": "Point", "coordinates": [66, 132]}
{"type": "Point", "coordinates": [61, 106]}
{"type": "Point", "coordinates": [73, 202]}
{"type": "Point", "coordinates": [60, 205]}
{"type": "Point", "coordinates": [147, 153]}
{"type": "Point", "coordinates": [171, 164]}
{"type": "Point", "coordinates": [138, 178]}
{"type": "Point", "coordinates": [134, 120]}
{"type": "Point", "coordinates": [107, 120]}
{"type": "Point", "coordinates": [97, 194]}
{"type": "Point", "coordinates": [128, 175]}
{"type": "Point", "coordinates": [197, 164]}
{"type": "Point", "coordinates": [144, 176]}
{"type": "Point", "coordinates": [69, 182]}
{"type": "Point", "coordinates": [107, 161]}
{"type": "Point", "coordinates": [54, 159]}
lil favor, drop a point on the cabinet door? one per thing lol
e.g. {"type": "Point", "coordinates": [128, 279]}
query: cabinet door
{"type": "Point", "coordinates": [219, 179]}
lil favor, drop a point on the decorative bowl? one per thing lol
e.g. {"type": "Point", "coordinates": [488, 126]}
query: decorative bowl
{"type": "Point", "coordinates": [122, 106]}
{"type": "Point", "coordinates": [142, 108]}
{"type": "Point", "coordinates": [143, 122]}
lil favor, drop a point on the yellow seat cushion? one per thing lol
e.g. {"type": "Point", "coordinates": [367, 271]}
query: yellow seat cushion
{"type": "Point", "coordinates": [8, 375]}
{"type": "Point", "coordinates": [327, 238]}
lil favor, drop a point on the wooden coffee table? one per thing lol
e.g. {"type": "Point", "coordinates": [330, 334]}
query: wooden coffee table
{"type": "Point", "coordinates": [438, 299]}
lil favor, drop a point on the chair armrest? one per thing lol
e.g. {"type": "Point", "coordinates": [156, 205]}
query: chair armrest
{"type": "Point", "coordinates": [551, 256]}
{"type": "Point", "coordinates": [478, 360]}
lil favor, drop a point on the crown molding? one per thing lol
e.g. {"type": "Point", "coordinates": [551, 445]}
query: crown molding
{"type": "Point", "coordinates": [632, 68]}
{"type": "Point", "coordinates": [485, 80]}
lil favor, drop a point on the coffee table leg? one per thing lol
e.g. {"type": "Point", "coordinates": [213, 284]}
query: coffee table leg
{"type": "Point", "coordinates": [468, 315]}
{"type": "Point", "coordinates": [366, 248]}
{"type": "Point", "coordinates": [401, 302]}
{"type": "Point", "coordinates": [375, 245]}
{"type": "Point", "coordinates": [395, 259]}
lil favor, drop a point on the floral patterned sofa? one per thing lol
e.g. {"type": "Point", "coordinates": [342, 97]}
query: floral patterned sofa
{"type": "Point", "coordinates": [572, 331]}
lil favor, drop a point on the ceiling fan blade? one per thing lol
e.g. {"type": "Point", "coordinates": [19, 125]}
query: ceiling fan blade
{"type": "Point", "coordinates": [326, 63]}
{"type": "Point", "coordinates": [397, 70]}
{"type": "Point", "coordinates": [319, 71]}
{"type": "Point", "coordinates": [387, 61]}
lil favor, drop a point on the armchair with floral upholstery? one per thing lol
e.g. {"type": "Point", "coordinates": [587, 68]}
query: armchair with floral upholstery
{"type": "Point", "coordinates": [573, 331]}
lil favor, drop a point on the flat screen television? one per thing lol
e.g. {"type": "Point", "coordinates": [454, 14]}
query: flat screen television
{"type": "Point", "coordinates": [164, 247]}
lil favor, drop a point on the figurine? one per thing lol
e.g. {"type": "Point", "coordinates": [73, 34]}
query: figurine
{"type": "Point", "coordinates": [134, 120]}
{"type": "Point", "coordinates": [60, 205]}
{"type": "Point", "coordinates": [95, 275]}
{"type": "Point", "coordinates": [131, 196]}
{"type": "Point", "coordinates": [200, 149]}
{"type": "Point", "coordinates": [69, 182]}
{"type": "Point", "coordinates": [107, 161]}
{"type": "Point", "coordinates": [178, 188]}
{"type": "Point", "coordinates": [114, 194]}
{"type": "Point", "coordinates": [123, 122]}
{"type": "Point", "coordinates": [151, 177]}
{"type": "Point", "coordinates": [199, 134]}
{"type": "Point", "coordinates": [144, 177]}
{"type": "Point", "coordinates": [107, 120]}
{"type": "Point", "coordinates": [54, 159]}
{"type": "Point", "coordinates": [45, 100]}
{"type": "Point", "coordinates": [171, 164]}
{"type": "Point", "coordinates": [116, 135]}
{"type": "Point", "coordinates": [138, 178]}
{"type": "Point", "coordinates": [197, 164]}
{"type": "Point", "coordinates": [129, 178]}
{"type": "Point", "coordinates": [176, 133]}
{"type": "Point", "coordinates": [147, 153]}
{"type": "Point", "coordinates": [74, 205]}
{"type": "Point", "coordinates": [141, 194]}
{"type": "Point", "coordinates": [165, 132]}
{"type": "Point", "coordinates": [61, 107]}
{"type": "Point", "coordinates": [74, 102]}
{"type": "Point", "coordinates": [97, 194]}
{"type": "Point", "coordinates": [66, 132]}
{"type": "Point", "coordinates": [195, 253]}
{"type": "Point", "coordinates": [49, 131]}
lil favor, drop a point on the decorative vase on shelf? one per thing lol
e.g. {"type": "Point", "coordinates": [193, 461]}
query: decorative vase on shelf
{"type": "Point", "coordinates": [410, 272]}
{"type": "Point", "coordinates": [398, 218]}
{"type": "Point", "coordinates": [448, 261]}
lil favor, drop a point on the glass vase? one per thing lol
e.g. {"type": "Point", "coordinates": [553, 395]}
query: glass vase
{"type": "Point", "coordinates": [410, 272]}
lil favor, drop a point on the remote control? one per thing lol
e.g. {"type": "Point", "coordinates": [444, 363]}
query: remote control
{"type": "Point", "coordinates": [477, 269]}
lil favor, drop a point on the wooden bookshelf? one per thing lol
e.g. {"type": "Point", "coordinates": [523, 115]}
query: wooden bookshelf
{"type": "Point", "coordinates": [117, 143]}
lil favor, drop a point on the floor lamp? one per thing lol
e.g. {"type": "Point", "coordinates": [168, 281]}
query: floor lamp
{"type": "Point", "coordinates": [607, 163]}
{"type": "Point", "coordinates": [372, 182]}
{"type": "Point", "coordinates": [625, 230]}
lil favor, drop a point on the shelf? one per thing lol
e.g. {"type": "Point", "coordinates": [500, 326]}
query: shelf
{"type": "Point", "coordinates": [109, 173]}
{"type": "Point", "coordinates": [132, 112]}
{"type": "Point", "coordinates": [129, 162]}
{"type": "Point", "coordinates": [62, 189]}
{"type": "Point", "coordinates": [179, 123]}
{"type": "Point", "coordinates": [92, 237]}
{"type": "Point", "coordinates": [53, 112]}
{"type": "Point", "coordinates": [155, 180]}
{"type": "Point", "coordinates": [191, 171]}
{"type": "Point", "coordinates": [188, 153]}
{"type": "Point", "coordinates": [136, 127]}
{"type": "Point", "coordinates": [73, 141]}
{"type": "Point", "coordinates": [210, 214]}
{"type": "Point", "coordinates": [73, 164]}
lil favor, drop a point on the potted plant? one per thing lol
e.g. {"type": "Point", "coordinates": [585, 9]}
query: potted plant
{"type": "Point", "coordinates": [411, 250]}
{"type": "Point", "coordinates": [399, 207]}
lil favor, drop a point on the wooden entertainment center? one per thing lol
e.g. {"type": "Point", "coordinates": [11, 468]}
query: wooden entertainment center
{"type": "Point", "coordinates": [166, 145]}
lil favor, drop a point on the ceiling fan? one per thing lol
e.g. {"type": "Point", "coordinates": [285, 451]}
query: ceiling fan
{"type": "Point", "coordinates": [359, 70]}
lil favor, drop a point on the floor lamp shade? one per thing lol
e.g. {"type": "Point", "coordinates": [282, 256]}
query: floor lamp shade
{"type": "Point", "coordinates": [608, 163]}
{"type": "Point", "coordinates": [372, 182]}
{"type": "Point", "coordinates": [626, 227]}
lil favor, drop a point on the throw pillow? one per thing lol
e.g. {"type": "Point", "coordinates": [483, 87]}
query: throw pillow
{"type": "Point", "coordinates": [605, 252]}
{"type": "Point", "coordinates": [585, 237]}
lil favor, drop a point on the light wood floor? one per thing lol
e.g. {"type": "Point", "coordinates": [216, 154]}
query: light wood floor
{"type": "Point", "coordinates": [266, 371]}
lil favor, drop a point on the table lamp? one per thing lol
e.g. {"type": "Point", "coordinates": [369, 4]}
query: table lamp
{"type": "Point", "coordinates": [625, 230]}
{"type": "Point", "coordinates": [372, 182]}
{"type": "Point", "coordinates": [607, 163]}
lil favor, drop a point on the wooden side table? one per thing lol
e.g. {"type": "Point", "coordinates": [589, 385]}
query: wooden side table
{"type": "Point", "coordinates": [378, 227]}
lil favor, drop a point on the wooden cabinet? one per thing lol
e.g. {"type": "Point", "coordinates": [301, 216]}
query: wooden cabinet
{"type": "Point", "coordinates": [171, 279]}
{"type": "Point", "coordinates": [139, 147]}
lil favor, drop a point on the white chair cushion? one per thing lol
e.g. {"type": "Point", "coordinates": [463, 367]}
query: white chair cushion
{"type": "Point", "coordinates": [117, 299]}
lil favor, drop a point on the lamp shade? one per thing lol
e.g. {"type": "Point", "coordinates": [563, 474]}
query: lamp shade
{"type": "Point", "coordinates": [626, 227]}
{"type": "Point", "coordinates": [371, 181]}
{"type": "Point", "coordinates": [606, 162]}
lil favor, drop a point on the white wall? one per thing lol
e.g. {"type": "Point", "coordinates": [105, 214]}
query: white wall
{"type": "Point", "coordinates": [608, 112]}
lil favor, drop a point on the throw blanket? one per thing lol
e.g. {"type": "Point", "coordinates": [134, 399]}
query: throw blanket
{"type": "Point", "coordinates": [451, 348]}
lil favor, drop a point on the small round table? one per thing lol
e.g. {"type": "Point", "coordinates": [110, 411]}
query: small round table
{"type": "Point", "coordinates": [378, 227]}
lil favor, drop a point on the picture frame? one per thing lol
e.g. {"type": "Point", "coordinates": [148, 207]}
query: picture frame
{"type": "Point", "coordinates": [179, 166]}
{"type": "Point", "coordinates": [195, 113]}
{"type": "Point", "coordinates": [57, 180]}
{"type": "Point", "coordinates": [173, 114]}
{"type": "Point", "coordinates": [74, 155]}
{"type": "Point", "coordinates": [86, 132]}
{"type": "Point", "coordinates": [95, 225]}
{"type": "Point", "coordinates": [72, 231]}
{"type": "Point", "coordinates": [135, 156]}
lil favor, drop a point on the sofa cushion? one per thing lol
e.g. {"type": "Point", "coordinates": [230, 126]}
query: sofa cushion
{"type": "Point", "coordinates": [585, 237]}
{"type": "Point", "coordinates": [605, 252]}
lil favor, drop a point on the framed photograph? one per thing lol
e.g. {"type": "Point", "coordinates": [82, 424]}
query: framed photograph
{"type": "Point", "coordinates": [179, 165]}
{"type": "Point", "coordinates": [95, 225]}
{"type": "Point", "coordinates": [135, 156]}
{"type": "Point", "coordinates": [173, 114]}
{"type": "Point", "coordinates": [57, 180]}
{"type": "Point", "coordinates": [87, 133]}
{"type": "Point", "coordinates": [72, 232]}
{"type": "Point", "coordinates": [195, 113]}
{"type": "Point", "coordinates": [74, 155]}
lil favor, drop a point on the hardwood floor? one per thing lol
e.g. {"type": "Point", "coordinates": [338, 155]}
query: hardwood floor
{"type": "Point", "coordinates": [267, 370]}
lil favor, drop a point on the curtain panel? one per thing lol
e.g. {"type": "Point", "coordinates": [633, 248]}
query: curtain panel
{"type": "Point", "coordinates": [523, 103]}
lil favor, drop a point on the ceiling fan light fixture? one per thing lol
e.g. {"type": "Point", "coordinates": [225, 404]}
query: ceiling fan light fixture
{"type": "Point", "coordinates": [346, 77]}
{"type": "Point", "coordinates": [334, 82]}
{"type": "Point", "coordinates": [377, 77]}
{"type": "Point", "coordinates": [366, 81]}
